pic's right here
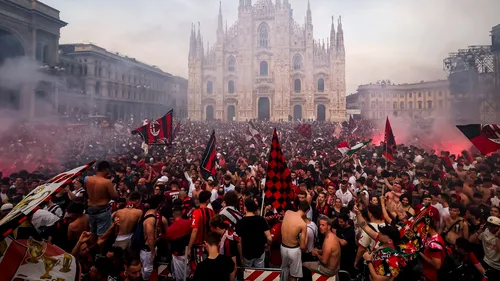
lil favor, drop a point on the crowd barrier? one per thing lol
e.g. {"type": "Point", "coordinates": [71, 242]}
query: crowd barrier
{"type": "Point", "coordinates": [262, 274]}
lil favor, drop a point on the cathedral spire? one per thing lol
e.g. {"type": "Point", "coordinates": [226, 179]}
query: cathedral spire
{"type": "Point", "coordinates": [309, 14]}
{"type": "Point", "coordinates": [192, 46]}
{"type": "Point", "coordinates": [278, 3]}
{"type": "Point", "coordinates": [332, 34]}
{"type": "Point", "coordinates": [340, 37]}
{"type": "Point", "coordinates": [220, 26]}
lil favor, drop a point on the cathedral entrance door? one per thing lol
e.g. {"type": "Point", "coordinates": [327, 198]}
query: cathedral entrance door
{"type": "Point", "coordinates": [321, 113]}
{"type": "Point", "coordinates": [209, 113]}
{"type": "Point", "coordinates": [231, 113]}
{"type": "Point", "coordinates": [264, 110]}
{"type": "Point", "coordinates": [297, 112]}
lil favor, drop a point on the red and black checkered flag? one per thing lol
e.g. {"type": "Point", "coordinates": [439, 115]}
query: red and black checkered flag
{"type": "Point", "coordinates": [389, 141]}
{"type": "Point", "coordinates": [305, 130]}
{"type": "Point", "coordinates": [158, 131]}
{"type": "Point", "coordinates": [208, 164]}
{"type": "Point", "coordinates": [278, 189]}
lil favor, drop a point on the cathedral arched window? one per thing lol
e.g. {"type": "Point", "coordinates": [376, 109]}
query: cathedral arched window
{"type": "Point", "coordinates": [297, 85]}
{"type": "Point", "coordinates": [395, 105]}
{"type": "Point", "coordinates": [321, 85]}
{"type": "Point", "coordinates": [264, 68]}
{"type": "Point", "coordinates": [402, 105]}
{"type": "Point", "coordinates": [263, 35]}
{"type": "Point", "coordinates": [230, 86]}
{"type": "Point", "coordinates": [410, 105]}
{"type": "Point", "coordinates": [419, 105]}
{"type": "Point", "coordinates": [210, 87]}
{"type": "Point", "coordinates": [297, 62]}
{"type": "Point", "coordinates": [231, 64]}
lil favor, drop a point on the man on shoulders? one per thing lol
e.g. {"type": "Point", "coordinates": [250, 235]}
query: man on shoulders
{"type": "Point", "coordinates": [100, 191]}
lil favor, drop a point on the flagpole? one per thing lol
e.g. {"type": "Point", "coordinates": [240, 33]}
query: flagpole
{"type": "Point", "coordinates": [262, 204]}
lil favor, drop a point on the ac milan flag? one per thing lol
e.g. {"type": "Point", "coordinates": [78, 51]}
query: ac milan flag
{"type": "Point", "coordinates": [389, 141]}
{"type": "Point", "coordinates": [278, 190]}
{"type": "Point", "coordinates": [158, 131]}
{"type": "Point", "coordinates": [485, 137]}
{"type": "Point", "coordinates": [305, 130]}
{"type": "Point", "coordinates": [208, 163]}
{"type": "Point", "coordinates": [253, 134]}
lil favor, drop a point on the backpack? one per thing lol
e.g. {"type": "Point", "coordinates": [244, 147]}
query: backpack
{"type": "Point", "coordinates": [448, 266]}
{"type": "Point", "coordinates": [138, 238]}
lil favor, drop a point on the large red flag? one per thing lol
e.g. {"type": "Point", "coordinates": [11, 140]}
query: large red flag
{"type": "Point", "coordinates": [208, 163]}
{"type": "Point", "coordinates": [485, 137]}
{"type": "Point", "coordinates": [158, 131]}
{"type": "Point", "coordinates": [389, 141]}
{"type": "Point", "coordinates": [278, 189]}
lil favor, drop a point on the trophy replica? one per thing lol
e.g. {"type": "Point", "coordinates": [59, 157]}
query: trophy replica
{"type": "Point", "coordinates": [36, 250]}
{"type": "Point", "coordinates": [3, 247]}
{"type": "Point", "coordinates": [49, 264]}
{"type": "Point", "coordinates": [66, 263]}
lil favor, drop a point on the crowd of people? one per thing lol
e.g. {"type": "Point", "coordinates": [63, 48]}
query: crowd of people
{"type": "Point", "coordinates": [134, 210]}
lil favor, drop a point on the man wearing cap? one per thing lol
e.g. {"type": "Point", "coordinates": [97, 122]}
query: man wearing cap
{"type": "Point", "coordinates": [490, 239]}
{"type": "Point", "coordinates": [5, 209]}
{"type": "Point", "coordinates": [382, 263]}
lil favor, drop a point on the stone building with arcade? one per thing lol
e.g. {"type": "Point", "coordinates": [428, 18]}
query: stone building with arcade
{"type": "Point", "coordinates": [29, 31]}
{"type": "Point", "coordinates": [267, 66]}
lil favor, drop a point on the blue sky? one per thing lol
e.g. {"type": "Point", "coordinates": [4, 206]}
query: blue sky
{"type": "Point", "coordinates": [400, 40]}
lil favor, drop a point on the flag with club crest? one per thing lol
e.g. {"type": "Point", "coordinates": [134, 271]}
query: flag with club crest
{"type": "Point", "coordinates": [158, 131]}
{"type": "Point", "coordinates": [208, 163]}
{"type": "Point", "coordinates": [485, 137]}
{"type": "Point", "coordinates": [278, 189]}
{"type": "Point", "coordinates": [389, 142]}
{"type": "Point", "coordinates": [305, 130]}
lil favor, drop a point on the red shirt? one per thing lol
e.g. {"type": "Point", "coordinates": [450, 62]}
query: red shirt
{"type": "Point", "coordinates": [201, 221]}
{"type": "Point", "coordinates": [433, 248]}
{"type": "Point", "coordinates": [178, 229]}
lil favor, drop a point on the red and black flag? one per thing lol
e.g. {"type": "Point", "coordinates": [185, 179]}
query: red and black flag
{"type": "Point", "coordinates": [389, 141]}
{"type": "Point", "coordinates": [278, 190]}
{"type": "Point", "coordinates": [208, 162]}
{"type": "Point", "coordinates": [305, 130]}
{"type": "Point", "coordinates": [158, 131]}
{"type": "Point", "coordinates": [485, 137]}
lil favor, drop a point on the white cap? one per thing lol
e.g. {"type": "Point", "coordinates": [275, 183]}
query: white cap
{"type": "Point", "coordinates": [163, 179]}
{"type": "Point", "coordinates": [210, 178]}
{"type": "Point", "coordinates": [6, 207]}
{"type": "Point", "coordinates": [491, 220]}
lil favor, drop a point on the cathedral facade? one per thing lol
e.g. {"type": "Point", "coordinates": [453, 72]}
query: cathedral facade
{"type": "Point", "coordinates": [267, 66]}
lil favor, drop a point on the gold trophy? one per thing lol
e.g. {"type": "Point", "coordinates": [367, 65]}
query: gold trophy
{"type": "Point", "coordinates": [36, 250]}
{"type": "Point", "coordinates": [49, 264]}
{"type": "Point", "coordinates": [66, 263]}
{"type": "Point", "coordinates": [3, 247]}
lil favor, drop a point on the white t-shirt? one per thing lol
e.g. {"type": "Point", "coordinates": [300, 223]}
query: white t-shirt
{"type": "Point", "coordinates": [345, 197]}
{"type": "Point", "coordinates": [312, 233]}
{"type": "Point", "coordinates": [366, 241]}
{"type": "Point", "coordinates": [214, 195]}
{"type": "Point", "coordinates": [43, 218]}
{"type": "Point", "coordinates": [491, 255]}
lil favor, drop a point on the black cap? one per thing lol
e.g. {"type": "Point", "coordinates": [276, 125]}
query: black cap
{"type": "Point", "coordinates": [392, 232]}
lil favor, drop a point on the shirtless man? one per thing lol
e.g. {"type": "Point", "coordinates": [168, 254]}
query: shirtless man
{"type": "Point", "coordinates": [294, 238]}
{"type": "Point", "coordinates": [127, 220]}
{"type": "Point", "coordinates": [328, 263]}
{"type": "Point", "coordinates": [100, 190]}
